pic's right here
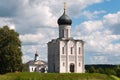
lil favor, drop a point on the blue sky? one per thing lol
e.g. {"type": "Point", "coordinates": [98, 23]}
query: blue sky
{"type": "Point", "coordinates": [109, 6]}
{"type": "Point", "coordinates": [97, 22]}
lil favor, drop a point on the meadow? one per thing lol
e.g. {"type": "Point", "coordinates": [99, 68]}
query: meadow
{"type": "Point", "coordinates": [56, 76]}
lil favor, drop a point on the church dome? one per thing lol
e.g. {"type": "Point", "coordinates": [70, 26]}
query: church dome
{"type": "Point", "coordinates": [64, 20]}
{"type": "Point", "coordinates": [36, 54]}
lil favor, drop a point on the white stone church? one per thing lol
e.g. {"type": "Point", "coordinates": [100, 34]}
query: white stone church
{"type": "Point", "coordinates": [65, 54]}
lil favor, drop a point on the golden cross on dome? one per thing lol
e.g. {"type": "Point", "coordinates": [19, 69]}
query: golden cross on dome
{"type": "Point", "coordinates": [64, 5]}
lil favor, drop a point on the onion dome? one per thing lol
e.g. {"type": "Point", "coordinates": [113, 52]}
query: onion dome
{"type": "Point", "coordinates": [36, 54]}
{"type": "Point", "coordinates": [64, 19]}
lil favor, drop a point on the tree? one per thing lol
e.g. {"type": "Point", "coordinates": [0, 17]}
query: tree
{"type": "Point", "coordinates": [118, 72]}
{"type": "Point", "coordinates": [91, 69]}
{"type": "Point", "coordinates": [24, 68]}
{"type": "Point", "coordinates": [10, 51]}
{"type": "Point", "coordinates": [110, 71]}
{"type": "Point", "coordinates": [100, 70]}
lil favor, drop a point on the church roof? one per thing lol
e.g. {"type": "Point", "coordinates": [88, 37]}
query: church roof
{"type": "Point", "coordinates": [39, 62]}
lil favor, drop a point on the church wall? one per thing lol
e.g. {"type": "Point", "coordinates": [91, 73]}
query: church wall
{"type": "Point", "coordinates": [50, 57]}
{"type": "Point", "coordinates": [64, 31]}
{"type": "Point", "coordinates": [53, 54]}
{"type": "Point", "coordinates": [57, 63]}
{"type": "Point", "coordinates": [71, 54]}
{"type": "Point", "coordinates": [80, 57]}
{"type": "Point", "coordinates": [63, 57]}
{"type": "Point", "coordinates": [32, 68]}
{"type": "Point", "coordinates": [71, 57]}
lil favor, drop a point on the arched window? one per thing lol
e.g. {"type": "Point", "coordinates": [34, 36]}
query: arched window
{"type": "Point", "coordinates": [32, 69]}
{"type": "Point", "coordinates": [35, 69]}
{"type": "Point", "coordinates": [42, 70]}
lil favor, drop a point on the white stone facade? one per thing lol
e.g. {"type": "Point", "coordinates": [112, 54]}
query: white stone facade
{"type": "Point", "coordinates": [65, 54]}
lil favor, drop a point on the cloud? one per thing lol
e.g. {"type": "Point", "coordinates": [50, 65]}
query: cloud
{"type": "Point", "coordinates": [26, 58]}
{"type": "Point", "coordinates": [99, 60]}
{"type": "Point", "coordinates": [79, 6]}
{"type": "Point", "coordinates": [87, 28]}
{"type": "Point", "coordinates": [93, 15]}
{"type": "Point", "coordinates": [102, 40]}
{"type": "Point", "coordinates": [30, 15]}
{"type": "Point", "coordinates": [112, 22]}
{"type": "Point", "coordinates": [31, 38]}
{"type": "Point", "coordinates": [33, 16]}
{"type": "Point", "coordinates": [6, 21]}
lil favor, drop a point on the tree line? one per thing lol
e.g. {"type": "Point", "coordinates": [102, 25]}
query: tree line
{"type": "Point", "coordinates": [104, 69]}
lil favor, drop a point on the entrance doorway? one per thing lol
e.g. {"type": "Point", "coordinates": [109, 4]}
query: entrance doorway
{"type": "Point", "coordinates": [72, 67]}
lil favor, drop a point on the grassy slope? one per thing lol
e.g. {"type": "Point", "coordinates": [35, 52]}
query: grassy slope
{"type": "Point", "coordinates": [55, 76]}
{"type": "Point", "coordinates": [116, 78]}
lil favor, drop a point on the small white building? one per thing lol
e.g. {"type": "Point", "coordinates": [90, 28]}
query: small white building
{"type": "Point", "coordinates": [65, 54]}
{"type": "Point", "coordinates": [37, 65]}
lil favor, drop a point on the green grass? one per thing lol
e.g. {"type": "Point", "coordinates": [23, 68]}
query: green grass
{"type": "Point", "coordinates": [56, 76]}
{"type": "Point", "coordinates": [116, 78]}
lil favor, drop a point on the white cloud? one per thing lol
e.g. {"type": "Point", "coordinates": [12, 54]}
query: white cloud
{"type": "Point", "coordinates": [12, 26]}
{"type": "Point", "coordinates": [99, 60]}
{"type": "Point", "coordinates": [79, 5]}
{"type": "Point", "coordinates": [92, 15]}
{"type": "Point", "coordinates": [99, 38]}
{"type": "Point", "coordinates": [38, 41]}
{"type": "Point", "coordinates": [26, 58]}
{"type": "Point", "coordinates": [29, 15]}
{"type": "Point", "coordinates": [6, 21]}
{"type": "Point", "coordinates": [31, 37]}
{"type": "Point", "coordinates": [88, 28]}
{"type": "Point", "coordinates": [112, 19]}
{"type": "Point", "coordinates": [91, 26]}
{"type": "Point", "coordinates": [112, 22]}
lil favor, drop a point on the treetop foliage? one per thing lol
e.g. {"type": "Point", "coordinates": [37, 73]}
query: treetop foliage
{"type": "Point", "coordinates": [10, 50]}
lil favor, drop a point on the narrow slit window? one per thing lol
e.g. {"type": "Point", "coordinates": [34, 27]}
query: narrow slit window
{"type": "Point", "coordinates": [79, 50]}
{"type": "Point", "coordinates": [71, 50]}
{"type": "Point", "coordinates": [63, 50]}
{"type": "Point", "coordinates": [63, 33]}
{"type": "Point", "coordinates": [63, 64]}
{"type": "Point", "coordinates": [79, 65]}
{"type": "Point", "coordinates": [67, 33]}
